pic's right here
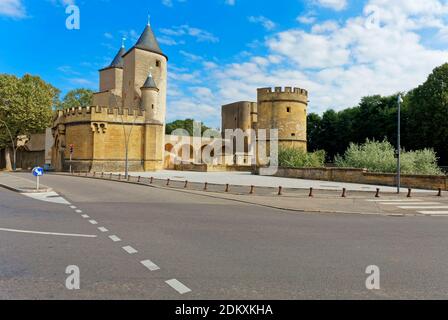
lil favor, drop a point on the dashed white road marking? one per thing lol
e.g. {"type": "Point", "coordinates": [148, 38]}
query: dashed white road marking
{"type": "Point", "coordinates": [423, 207]}
{"type": "Point", "coordinates": [85, 216]}
{"type": "Point", "coordinates": [72, 207]}
{"type": "Point", "coordinates": [129, 250]}
{"type": "Point", "coordinates": [150, 265]}
{"type": "Point", "coordinates": [114, 238]}
{"type": "Point", "coordinates": [93, 222]}
{"type": "Point", "coordinates": [49, 233]}
{"type": "Point", "coordinates": [178, 286]}
{"type": "Point", "coordinates": [102, 229]}
{"type": "Point", "coordinates": [78, 211]}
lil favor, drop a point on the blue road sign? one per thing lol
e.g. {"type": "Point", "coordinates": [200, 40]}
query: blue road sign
{"type": "Point", "coordinates": [38, 171]}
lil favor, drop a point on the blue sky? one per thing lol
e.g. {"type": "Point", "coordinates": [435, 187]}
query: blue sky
{"type": "Point", "coordinates": [221, 50]}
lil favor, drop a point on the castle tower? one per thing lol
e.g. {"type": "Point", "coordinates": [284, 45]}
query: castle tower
{"type": "Point", "coordinates": [144, 57]}
{"type": "Point", "coordinates": [285, 110]}
{"type": "Point", "coordinates": [154, 132]}
{"type": "Point", "coordinates": [111, 82]}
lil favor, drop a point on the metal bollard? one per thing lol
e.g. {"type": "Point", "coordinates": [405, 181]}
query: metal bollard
{"type": "Point", "coordinates": [252, 189]}
{"type": "Point", "coordinates": [409, 193]}
{"type": "Point", "coordinates": [377, 195]}
{"type": "Point", "coordinates": [205, 186]}
{"type": "Point", "coordinates": [151, 180]}
{"type": "Point", "coordinates": [102, 175]}
{"type": "Point", "coordinates": [129, 177]}
{"type": "Point", "coordinates": [119, 176]}
{"type": "Point", "coordinates": [139, 178]}
{"type": "Point", "coordinates": [280, 189]}
{"type": "Point", "coordinates": [440, 192]}
{"type": "Point", "coordinates": [344, 193]}
{"type": "Point", "coordinates": [227, 187]}
{"type": "Point", "coordinates": [311, 193]}
{"type": "Point", "coordinates": [186, 184]}
{"type": "Point", "coordinates": [168, 182]}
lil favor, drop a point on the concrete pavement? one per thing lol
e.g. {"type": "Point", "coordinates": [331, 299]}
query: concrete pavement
{"type": "Point", "coordinates": [248, 179]}
{"type": "Point", "coordinates": [219, 249]}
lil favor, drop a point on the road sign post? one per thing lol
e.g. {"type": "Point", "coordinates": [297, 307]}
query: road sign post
{"type": "Point", "coordinates": [38, 172]}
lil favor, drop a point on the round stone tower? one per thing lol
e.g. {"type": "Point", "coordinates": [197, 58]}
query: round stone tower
{"type": "Point", "coordinates": [285, 110]}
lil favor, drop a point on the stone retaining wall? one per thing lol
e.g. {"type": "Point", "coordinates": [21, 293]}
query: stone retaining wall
{"type": "Point", "coordinates": [362, 176]}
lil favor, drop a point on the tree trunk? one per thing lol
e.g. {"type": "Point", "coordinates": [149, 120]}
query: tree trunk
{"type": "Point", "coordinates": [8, 159]}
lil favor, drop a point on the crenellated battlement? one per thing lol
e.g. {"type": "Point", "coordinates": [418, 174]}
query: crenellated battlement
{"type": "Point", "coordinates": [291, 90]}
{"type": "Point", "coordinates": [283, 94]}
{"type": "Point", "coordinates": [95, 113]}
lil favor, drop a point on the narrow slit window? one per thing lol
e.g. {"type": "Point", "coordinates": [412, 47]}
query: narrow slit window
{"type": "Point", "coordinates": [288, 109]}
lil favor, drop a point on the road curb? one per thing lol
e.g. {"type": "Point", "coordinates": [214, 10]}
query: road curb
{"type": "Point", "coordinates": [20, 190]}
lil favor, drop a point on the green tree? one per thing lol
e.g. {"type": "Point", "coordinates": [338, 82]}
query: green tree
{"type": "Point", "coordinates": [77, 98]}
{"type": "Point", "coordinates": [26, 106]}
{"type": "Point", "coordinates": [186, 124]}
{"type": "Point", "coordinates": [428, 114]}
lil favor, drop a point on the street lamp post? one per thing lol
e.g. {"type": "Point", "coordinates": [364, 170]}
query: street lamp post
{"type": "Point", "coordinates": [400, 101]}
{"type": "Point", "coordinates": [14, 149]}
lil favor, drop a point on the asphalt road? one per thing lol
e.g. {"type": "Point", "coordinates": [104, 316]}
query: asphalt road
{"type": "Point", "coordinates": [216, 248]}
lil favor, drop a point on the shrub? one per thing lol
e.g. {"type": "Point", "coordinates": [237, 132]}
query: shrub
{"type": "Point", "coordinates": [297, 158]}
{"type": "Point", "coordinates": [378, 156]}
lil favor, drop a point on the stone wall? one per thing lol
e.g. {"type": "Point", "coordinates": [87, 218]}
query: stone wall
{"type": "Point", "coordinates": [362, 176]}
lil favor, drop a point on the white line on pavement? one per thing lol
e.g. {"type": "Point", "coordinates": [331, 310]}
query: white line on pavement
{"type": "Point", "coordinates": [385, 200]}
{"type": "Point", "coordinates": [102, 229]}
{"type": "Point", "coordinates": [49, 233]}
{"type": "Point", "coordinates": [410, 203]}
{"type": "Point", "coordinates": [129, 250]}
{"type": "Point", "coordinates": [78, 211]}
{"type": "Point", "coordinates": [434, 212]}
{"type": "Point", "coordinates": [423, 207]}
{"type": "Point", "coordinates": [114, 238]}
{"type": "Point", "coordinates": [72, 207]}
{"type": "Point", "coordinates": [93, 222]}
{"type": "Point", "coordinates": [178, 286]}
{"type": "Point", "coordinates": [85, 216]}
{"type": "Point", "coordinates": [150, 265]}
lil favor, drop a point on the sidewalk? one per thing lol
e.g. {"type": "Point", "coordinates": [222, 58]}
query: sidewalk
{"type": "Point", "coordinates": [248, 179]}
{"type": "Point", "coordinates": [18, 184]}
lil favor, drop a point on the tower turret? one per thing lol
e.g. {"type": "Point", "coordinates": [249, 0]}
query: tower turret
{"type": "Point", "coordinates": [111, 82]}
{"type": "Point", "coordinates": [285, 110]}
{"type": "Point", "coordinates": [150, 100]}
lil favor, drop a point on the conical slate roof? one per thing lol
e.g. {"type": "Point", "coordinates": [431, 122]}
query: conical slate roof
{"type": "Point", "coordinates": [150, 83]}
{"type": "Point", "coordinates": [148, 41]}
{"type": "Point", "coordinates": [118, 60]}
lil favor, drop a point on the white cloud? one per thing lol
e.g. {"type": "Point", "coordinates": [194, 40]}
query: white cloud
{"type": "Point", "coordinates": [265, 22]}
{"type": "Point", "coordinates": [185, 30]}
{"type": "Point", "coordinates": [12, 8]}
{"type": "Point", "coordinates": [333, 4]}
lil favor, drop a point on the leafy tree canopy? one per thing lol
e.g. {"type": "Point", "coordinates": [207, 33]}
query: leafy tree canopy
{"type": "Point", "coordinates": [26, 105]}
{"type": "Point", "coordinates": [186, 124]}
{"type": "Point", "coordinates": [77, 98]}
